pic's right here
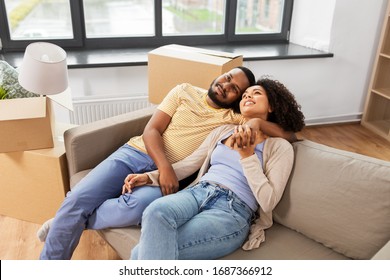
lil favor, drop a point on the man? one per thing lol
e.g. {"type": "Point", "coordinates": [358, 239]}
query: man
{"type": "Point", "coordinates": [223, 94]}
{"type": "Point", "coordinates": [182, 121]}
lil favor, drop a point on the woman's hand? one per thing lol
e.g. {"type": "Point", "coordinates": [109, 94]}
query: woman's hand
{"type": "Point", "coordinates": [251, 128]}
{"type": "Point", "coordinates": [134, 180]}
{"type": "Point", "coordinates": [243, 136]}
{"type": "Point", "coordinates": [243, 140]}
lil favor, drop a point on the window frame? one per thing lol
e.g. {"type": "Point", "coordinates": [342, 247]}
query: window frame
{"type": "Point", "coordinates": [81, 42]}
{"type": "Point", "coordinates": [16, 45]}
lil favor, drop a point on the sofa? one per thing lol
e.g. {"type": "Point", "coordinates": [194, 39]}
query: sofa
{"type": "Point", "coordinates": [336, 205]}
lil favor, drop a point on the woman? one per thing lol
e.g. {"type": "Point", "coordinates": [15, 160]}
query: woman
{"type": "Point", "coordinates": [213, 217]}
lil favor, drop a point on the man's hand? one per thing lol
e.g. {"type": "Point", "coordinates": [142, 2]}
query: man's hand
{"type": "Point", "coordinates": [271, 129]}
{"type": "Point", "coordinates": [154, 144]}
{"type": "Point", "coordinates": [247, 133]}
{"type": "Point", "coordinates": [168, 181]}
{"type": "Point", "coordinates": [134, 180]}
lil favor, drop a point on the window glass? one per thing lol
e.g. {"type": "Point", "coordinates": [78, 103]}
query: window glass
{"type": "Point", "coordinates": [119, 18]}
{"type": "Point", "coordinates": [91, 24]}
{"type": "Point", "coordinates": [39, 19]}
{"type": "Point", "coordinates": [193, 17]}
{"type": "Point", "coordinates": [259, 16]}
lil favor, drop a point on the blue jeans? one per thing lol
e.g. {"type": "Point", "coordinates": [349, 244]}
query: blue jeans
{"type": "Point", "coordinates": [202, 222]}
{"type": "Point", "coordinates": [96, 202]}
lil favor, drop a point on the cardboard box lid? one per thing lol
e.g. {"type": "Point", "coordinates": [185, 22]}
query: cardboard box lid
{"type": "Point", "coordinates": [32, 107]}
{"type": "Point", "coordinates": [64, 99]}
{"type": "Point", "coordinates": [194, 54]}
{"type": "Point", "coordinates": [22, 108]}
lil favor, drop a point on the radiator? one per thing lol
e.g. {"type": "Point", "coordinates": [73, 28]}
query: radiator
{"type": "Point", "coordinates": [87, 111]}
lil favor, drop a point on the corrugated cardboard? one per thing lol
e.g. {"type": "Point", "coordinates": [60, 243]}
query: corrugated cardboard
{"type": "Point", "coordinates": [33, 184]}
{"type": "Point", "coordinates": [171, 65]}
{"type": "Point", "coordinates": [26, 123]}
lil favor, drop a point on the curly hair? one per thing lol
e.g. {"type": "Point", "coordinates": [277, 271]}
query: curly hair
{"type": "Point", "coordinates": [285, 110]}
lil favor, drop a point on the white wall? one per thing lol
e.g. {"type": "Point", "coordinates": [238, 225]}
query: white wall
{"type": "Point", "coordinates": [329, 89]}
{"type": "Point", "coordinates": [109, 82]}
{"type": "Point", "coordinates": [312, 23]}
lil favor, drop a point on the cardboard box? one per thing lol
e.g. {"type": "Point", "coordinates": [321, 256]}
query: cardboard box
{"type": "Point", "coordinates": [33, 184]}
{"type": "Point", "coordinates": [171, 65]}
{"type": "Point", "coordinates": [27, 123]}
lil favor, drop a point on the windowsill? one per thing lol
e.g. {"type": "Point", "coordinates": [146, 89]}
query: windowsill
{"type": "Point", "coordinates": [136, 57]}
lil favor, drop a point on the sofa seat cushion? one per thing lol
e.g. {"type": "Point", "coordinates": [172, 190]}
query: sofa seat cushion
{"type": "Point", "coordinates": [122, 240]}
{"type": "Point", "coordinates": [338, 198]}
{"type": "Point", "coordinates": [281, 244]}
{"type": "Point", "coordinates": [77, 177]}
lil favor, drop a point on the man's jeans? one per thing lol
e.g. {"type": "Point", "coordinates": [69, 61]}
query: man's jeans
{"type": "Point", "coordinates": [96, 202]}
{"type": "Point", "coordinates": [202, 222]}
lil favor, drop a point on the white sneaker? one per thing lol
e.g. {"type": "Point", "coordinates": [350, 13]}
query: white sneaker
{"type": "Point", "coordinates": [44, 230]}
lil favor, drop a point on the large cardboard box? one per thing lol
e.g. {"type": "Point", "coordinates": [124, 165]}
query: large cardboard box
{"type": "Point", "coordinates": [33, 183]}
{"type": "Point", "coordinates": [171, 65]}
{"type": "Point", "coordinates": [28, 123]}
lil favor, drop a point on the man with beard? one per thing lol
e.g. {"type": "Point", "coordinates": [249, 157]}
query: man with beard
{"type": "Point", "coordinates": [180, 124]}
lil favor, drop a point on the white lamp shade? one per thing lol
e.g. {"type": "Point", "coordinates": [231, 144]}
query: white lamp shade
{"type": "Point", "coordinates": [44, 69]}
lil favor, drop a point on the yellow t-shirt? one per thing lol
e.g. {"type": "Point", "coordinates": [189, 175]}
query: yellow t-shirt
{"type": "Point", "coordinates": [192, 120]}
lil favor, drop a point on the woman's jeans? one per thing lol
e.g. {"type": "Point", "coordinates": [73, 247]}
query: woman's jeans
{"type": "Point", "coordinates": [202, 222]}
{"type": "Point", "coordinates": [96, 202]}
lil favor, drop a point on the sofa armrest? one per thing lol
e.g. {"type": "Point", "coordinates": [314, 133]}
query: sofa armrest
{"type": "Point", "coordinates": [87, 145]}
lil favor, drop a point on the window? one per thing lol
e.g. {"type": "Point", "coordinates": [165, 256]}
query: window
{"type": "Point", "coordinates": [263, 17]}
{"type": "Point", "coordinates": [107, 18]}
{"type": "Point", "coordinates": [91, 24]}
{"type": "Point", "coordinates": [39, 19]}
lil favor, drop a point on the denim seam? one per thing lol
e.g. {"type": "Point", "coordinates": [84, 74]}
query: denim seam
{"type": "Point", "coordinates": [213, 239]}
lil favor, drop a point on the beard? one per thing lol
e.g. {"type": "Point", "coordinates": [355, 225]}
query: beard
{"type": "Point", "coordinates": [213, 96]}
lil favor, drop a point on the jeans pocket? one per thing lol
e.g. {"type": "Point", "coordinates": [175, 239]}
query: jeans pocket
{"type": "Point", "coordinates": [242, 213]}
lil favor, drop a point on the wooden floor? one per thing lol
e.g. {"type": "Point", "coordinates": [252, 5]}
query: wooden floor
{"type": "Point", "coordinates": [18, 238]}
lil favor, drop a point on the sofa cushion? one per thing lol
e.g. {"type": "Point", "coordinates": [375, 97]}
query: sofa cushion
{"type": "Point", "coordinates": [122, 239]}
{"type": "Point", "coordinates": [282, 243]}
{"type": "Point", "coordinates": [338, 198]}
{"type": "Point", "coordinates": [77, 177]}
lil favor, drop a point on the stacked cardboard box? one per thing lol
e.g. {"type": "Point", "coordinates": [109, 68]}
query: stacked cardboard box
{"type": "Point", "coordinates": [28, 123]}
{"type": "Point", "coordinates": [33, 167]}
{"type": "Point", "coordinates": [33, 183]}
{"type": "Point", "coordinates": [171, 65]}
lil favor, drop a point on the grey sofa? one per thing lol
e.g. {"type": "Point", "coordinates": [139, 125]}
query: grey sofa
{"type": "Point", "coordinates": [336, 204]}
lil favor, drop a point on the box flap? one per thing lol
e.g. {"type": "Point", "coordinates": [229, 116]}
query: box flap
{"type": "Point", "coordinates": [182, 48]}
{"type": "Point", "coordinates": [169, 54]}
{"type": "Point", "coordinates": [22, 108]}
{"type": "Point", "coordinates": [64, 99]}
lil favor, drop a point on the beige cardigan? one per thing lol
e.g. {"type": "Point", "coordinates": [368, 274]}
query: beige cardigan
{"type": "Point", "coordinates": [267, 182]}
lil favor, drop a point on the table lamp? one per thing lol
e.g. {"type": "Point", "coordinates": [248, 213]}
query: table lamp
{"type": "Point", "coordinates": [44, 69]}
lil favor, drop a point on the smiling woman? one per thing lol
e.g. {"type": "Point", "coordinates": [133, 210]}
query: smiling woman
{"type": "Point", "coordinates": [238, 181]}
